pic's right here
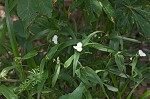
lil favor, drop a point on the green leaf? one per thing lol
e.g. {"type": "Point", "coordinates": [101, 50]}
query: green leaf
{"type": "Point", "coordinates": [75, 5]}
{"type": "Point", "coordinates": [39, 35]}
{"type": "Point", "coordinates": [111, 88]}
{"type": "Point", "coordinates": [6, 70]}
{"type": "Point", "coordinates": [43, 61]}
{"type": "Point", "coordinates": [76, 94]}
{"type": "Point", "coordinates": [82, 75]}
{"type": "Point", "coordinates": [52, 52]}
{"type": "Point", "coordinates": [45, 7]}
{"type": "Point", "coordinates": [127, 39]}
{"type": "Point", "coordinates": [108, 9]}
{"type": "Point", "coordinates": [145, 95]}
{"type": "Point", "coordinates": [142, 24]}
{"type": "Point", "coordinates": [56, 74]}
{"type": "Point", "coordinates": [87, 39]}
{"type": "Point", "coordinates": [133, 64]}
{"type": "Point", "coordinates": [87, 94]}
{"type": "Point", "coordinates": [30, 55]}
{"type": "Point", "coordinates": [19, 29]}
{"type": "Point", "coordinates": [8, 92]}
{"type": "Point", "coordinates": [41, 84]}
{"type": "Point", "coordinates": [101, 47]}
{"type": "Point", "coordinates": [89, 11]}
{"type": "Point", "coordinates": [75, 61]}
{"type": "Point", "coordinates": [119, 59]}
{"type": "Point", "coordinates": [87, 74]}
{"type": "Point", "coordinates": [26, 10]}
{"type": "Point", "coordinates": [97, 8]}
{"type": "Point", "coordinates": [13, 38]}
{"type": "Point", "coordinates": [91, 73]}
{"type": "Point", "coordinates": [134, 87]}
{"type": "Point", "coordinates": [69, 61]}
{"type": "Point", "coordinates": [130, 13]}
{"type": "Point", "coordinates": [11, 31]}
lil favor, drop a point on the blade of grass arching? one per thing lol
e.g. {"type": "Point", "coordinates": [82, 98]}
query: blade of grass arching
{"type": "Point", "coordinates": [10, 31]}
{"type": "Point", "coordinates": [75, 62]}
{"type": "Point", "coordinates": [91, 73]}
{"type": "Point", "coordinates": [56, 74]}
{"type": "Point", "coordinates": [12, 38]}
{"type": "Point", "coordinates": [2, 35]}
{"type": "Point", "coordinates": [124, 87]}
{"type": "Point", "coordinates": [133, 89]}
{"type": "Point", "coordinates": [8, 92]}
{"type": "Point", "coordinates": [114, 80]}
{"type": "Point", "coordinates": [146, 95]}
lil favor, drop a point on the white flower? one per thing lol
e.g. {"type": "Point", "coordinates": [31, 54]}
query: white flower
{"type": "Point", "coordinates": [131, 58]}
{"type": "Point", "coordinates": [141, 53]}
{"type": "Point", "coordinates": [70, 38]}
{"type": "Point", "coordinates": [55, 39]}
{"type": "Point", "coordinates": [78, 47]}
{"type": "Point", "coordinates": [95, 35]}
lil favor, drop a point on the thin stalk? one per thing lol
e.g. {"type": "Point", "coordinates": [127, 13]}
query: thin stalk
{"type": "Point", "coordinates": [114, 80]}
{"type": "Point", "coordinates": [124, 87]}
{"type": "Point", "coordinates": [2, 35]}
{"type": "Point", "coordinates": [13, 39]}
{"type": "Point", "coordinates": [133, 89]}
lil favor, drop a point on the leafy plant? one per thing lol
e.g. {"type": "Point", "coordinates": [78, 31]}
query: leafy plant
{"type": "Point", "coordinates": [85, 49]}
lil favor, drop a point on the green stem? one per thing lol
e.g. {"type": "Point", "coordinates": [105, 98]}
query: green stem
{"type": "Point", "coordinates": [114, 80]}
{"type": "Point", "coordinates": [12, 38]}
{"type": "Point", "coordinates": [2, 35]}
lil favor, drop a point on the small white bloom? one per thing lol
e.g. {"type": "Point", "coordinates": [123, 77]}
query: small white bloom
{"type": "Point", "coordinates": [70, 38]}
{"type": "Point", "coordinates": [95, 35]}
{"type": "Point", "coordinates": [141, 53]}
{"type": "Point", "coordinates": [55, 39]}
{"type": "Point", "coordinates": [78, 47]}
{"type": "Point", "coordinates": [131, 58]}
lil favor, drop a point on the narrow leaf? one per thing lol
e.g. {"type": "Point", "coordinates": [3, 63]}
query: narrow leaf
{"type": "Point", "coordinates": [111, 88]}
{"type": "Point", "coordinates": [6, 70]}
{"type": "Point", "coordinates": [69, 61]}
{"type": "Point", "coordinates": [30, 55]}
{"type": "Point", "coordinates": [101, 47]}
{"type": "Point", "coordinates": [76, 58]}
{"type": "Point", "coordinates": [76, 94]}
{"type": "Point", "coordinates": [119, 59]}
{"type": "Point", "coordinates": [7, 92]}
{"type": "Point", "coordinates": [56, 74]}
{"type": "Point", "coordinates": [86, 40]}
{"type": "Point", "coordinates": [145, 95]}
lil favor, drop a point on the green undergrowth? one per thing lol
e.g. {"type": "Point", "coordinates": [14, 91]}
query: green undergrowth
{"type": "Point", "coordinates": [77, 49]}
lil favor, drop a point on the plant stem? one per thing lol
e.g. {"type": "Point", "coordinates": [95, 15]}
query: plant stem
{"type": "Point", "coordinates": [13, 39]}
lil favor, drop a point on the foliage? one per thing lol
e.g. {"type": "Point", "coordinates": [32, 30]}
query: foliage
{"type": "Point", "coordinates": [107, 65]}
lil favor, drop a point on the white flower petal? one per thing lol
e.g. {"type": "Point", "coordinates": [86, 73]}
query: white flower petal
{"type": "Point", "coordinates": [75, 47]}
{"type": "Point", "coordinates": [131, 58]}
{"type": "Point", "coordinates": [70, 38]}
{"type": "Point", "coordinates": [79, 44]}
{"type": "Point", "coordinates": [95, 35]}
{"type": "Point", "coordinates": [55, 39]}
{"type": "Point", "coordinates": [79, 49]}
{"type": "Point", "coordinates": [141, 53]}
